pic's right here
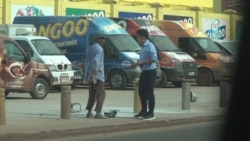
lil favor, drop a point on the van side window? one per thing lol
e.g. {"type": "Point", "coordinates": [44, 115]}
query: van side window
{"type": "Point", "coordinates": [109, 50]}
{"type": "Point", "coordinates": [184, 44]}
{"type": "Point", "coordinates": [14, 52]}
{"type": "Point", "coordinates": [26, 47]}
{"type": "Point", "coordinates": [188, 45]}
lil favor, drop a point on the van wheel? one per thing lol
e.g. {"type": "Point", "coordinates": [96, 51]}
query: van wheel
{"type": "Point", "coordinates": [40, 89]}
{"type": "Point", "coordinates": [204, 78]}
{"type": "Point", "coordinates": [161, 82]}
{"type": "Point", "coordinates": [117, 80]}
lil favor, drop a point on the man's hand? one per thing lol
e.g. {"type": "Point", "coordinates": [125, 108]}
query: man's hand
{"type": "Point", "coordinates": [93, 79]}
{"type": "Point", "coordinates": [134, 65]}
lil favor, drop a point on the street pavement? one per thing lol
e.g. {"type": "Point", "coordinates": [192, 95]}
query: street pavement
{"type": "Point", "coordinates": [25, 115]}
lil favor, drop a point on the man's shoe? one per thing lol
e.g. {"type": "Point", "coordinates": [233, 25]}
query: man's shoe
{"type": "Point", "coordinates": [90, 115]}
{"type": "Point", "coordinates": [140, 115]}
{"type": "Point", "coordinates": [148, 117]}
{"type": "Point", "coordinates": [100, 116]}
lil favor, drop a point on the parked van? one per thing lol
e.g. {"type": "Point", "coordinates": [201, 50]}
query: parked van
{"type": "Point", "coordinates": [177, 66]}
{"type": "Point", "coordinates": [19, 74]}
{"type": "Point", "coordinates": [214, 65]}
{"type": "Point", "coordinates": [74, 34]}
{"type": "Point", "coordinates": [229, 46]}
{"type": "Point", "coordinates": [43, 50]}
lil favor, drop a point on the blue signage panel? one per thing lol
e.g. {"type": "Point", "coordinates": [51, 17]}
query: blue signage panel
{"type": "Point", "coordinates": [145, 16]}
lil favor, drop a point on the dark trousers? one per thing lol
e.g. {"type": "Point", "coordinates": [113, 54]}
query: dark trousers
{"type": "Point", "coordinates": [97, 95]}
{"type": "Point", "coordinates": [146, 90]}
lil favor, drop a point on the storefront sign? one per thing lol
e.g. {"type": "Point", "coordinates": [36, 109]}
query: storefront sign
{"type": "Point", "coordinates": [85, 12]}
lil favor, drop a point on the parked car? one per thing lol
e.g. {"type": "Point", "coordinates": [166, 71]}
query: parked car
{"type": "Point", "coordinates": [231, 47]}
{"type": "Point", "coordinates": [18, 73]}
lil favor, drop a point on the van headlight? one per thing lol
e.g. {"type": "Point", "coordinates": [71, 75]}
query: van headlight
{"type": "Point", "coordinates": [52, 67]}
{"type": "Point", "coordinates": [69, 67]}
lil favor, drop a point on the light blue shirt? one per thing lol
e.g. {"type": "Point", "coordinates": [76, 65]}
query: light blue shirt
{"type": "Point", "coordinates": [148, 51]}
{"type": "Point", "coordinates": [94, 62]}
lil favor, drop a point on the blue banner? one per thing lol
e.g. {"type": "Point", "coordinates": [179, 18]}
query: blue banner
{"type": "Point", "coordinates": [145, 16]}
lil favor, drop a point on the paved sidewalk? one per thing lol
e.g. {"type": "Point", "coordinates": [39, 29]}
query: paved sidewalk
{"type": "Point", "coordinates": [26, 116]}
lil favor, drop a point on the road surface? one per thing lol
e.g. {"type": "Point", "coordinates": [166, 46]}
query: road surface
{"type": "Point", "coordinates": [205, 131]}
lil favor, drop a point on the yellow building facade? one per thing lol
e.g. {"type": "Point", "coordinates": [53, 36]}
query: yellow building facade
{"type": "Point", "coordinates": [198, 12]}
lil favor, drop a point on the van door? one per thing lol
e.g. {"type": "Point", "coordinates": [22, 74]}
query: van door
{"type": "Point", "coordinates": [16, 72]}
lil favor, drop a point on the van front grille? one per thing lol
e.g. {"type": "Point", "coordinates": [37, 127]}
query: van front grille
{"type": "Point", "coordinates": [62, 67]}
{"type": "Point", "coordinates": [189, 65]}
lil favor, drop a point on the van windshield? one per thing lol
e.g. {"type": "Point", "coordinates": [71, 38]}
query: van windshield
{"type": "Point", "coordinates": [45, 47]}
{"type": "Point", "coordinates": [162, 43]}
{"type": "Point", "coordinates": [207, 45]}
{"type": "Point", "coordinates": [124, 43]}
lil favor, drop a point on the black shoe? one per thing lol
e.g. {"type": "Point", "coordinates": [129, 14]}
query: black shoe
{"type": "Point", "coordinates": [148, 117]}
{"type": "Point", "coordinates": [140, 115]}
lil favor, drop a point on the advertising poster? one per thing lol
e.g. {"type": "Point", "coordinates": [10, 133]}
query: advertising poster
{"type": "Point", "coordinates": [179, 18]}
{"type": "Point", "coordinates": [85, 12]}
{"type": "Point", "coordinates": [145, 16]}
{"type": "Point", "coordinates": [215, 28]}
{"type": "Point", "coordinates": [30, 10]}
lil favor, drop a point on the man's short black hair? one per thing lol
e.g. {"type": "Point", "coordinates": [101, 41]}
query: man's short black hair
{"type": "Point", "coordinates": [143, 32]}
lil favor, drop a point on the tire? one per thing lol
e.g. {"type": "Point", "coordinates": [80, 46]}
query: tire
{"type": "Point", "coordinates": [117, 80]}
{"type": "Point", "coordinates": [160, 83]}
{"type": "Point", "coordinates": [204, 78]}
{"type": "Point", "coordinates": [40, 89]}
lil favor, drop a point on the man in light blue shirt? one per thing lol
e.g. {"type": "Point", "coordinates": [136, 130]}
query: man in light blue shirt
{"type": "Point", "coordinates": [147, 63]}
{"type": "Point", "coordinates": [94, 75]}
